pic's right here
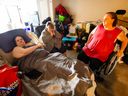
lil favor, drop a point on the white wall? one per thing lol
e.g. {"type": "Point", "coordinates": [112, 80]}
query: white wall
{"type": "Point", "coordinates": [84, 10]}
{"type": "Point", "coordinates": [43, 9]}
{"type": "Point", "coordinates": [46, 8]}
{"type": "Point", "coordinates": [55, 4]}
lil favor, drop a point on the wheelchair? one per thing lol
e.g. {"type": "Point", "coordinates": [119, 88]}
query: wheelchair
{"type": "Point", "coordinates": [109, 65]}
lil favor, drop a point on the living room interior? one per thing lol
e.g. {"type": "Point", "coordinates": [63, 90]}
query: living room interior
{"type": "Point", "coordinates": [29, 14]}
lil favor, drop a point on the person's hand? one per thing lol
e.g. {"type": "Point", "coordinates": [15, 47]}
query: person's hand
{"type": "Point", "coordinates": [52, 33]}
{"type": "Point", "coordinates": [39, 45]}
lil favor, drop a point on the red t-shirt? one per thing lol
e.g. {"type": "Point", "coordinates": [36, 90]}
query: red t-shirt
{"type": "Point", "coordinates": [102, 43]}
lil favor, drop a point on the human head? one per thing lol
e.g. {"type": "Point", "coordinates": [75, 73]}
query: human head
{"type": "Point", "coordinates": [19, 41]}
{"type": "Point", "coordinates": [79, 31]}
{"type": "Point", "coordinates": [110, 19]}
{"type": "Point", "coordinates": [50, 27]}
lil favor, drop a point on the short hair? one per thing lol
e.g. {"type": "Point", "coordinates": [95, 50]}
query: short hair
{"type": "Point", "coordinates": [49, 24]}
{"type": "Point", "coordinates": [14, 39]}
{"type": "Point", "coordinates": [113, 16]}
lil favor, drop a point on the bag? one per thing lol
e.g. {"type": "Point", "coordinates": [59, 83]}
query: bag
{"type": "Point", "coordinates": [10, 84]}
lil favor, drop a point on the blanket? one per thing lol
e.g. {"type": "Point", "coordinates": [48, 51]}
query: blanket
{"type": "Point", "coordinates": [60, 74]}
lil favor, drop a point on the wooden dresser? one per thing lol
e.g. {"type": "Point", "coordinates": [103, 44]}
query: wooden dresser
{"type": "Point", "coordinates": [123, 21]}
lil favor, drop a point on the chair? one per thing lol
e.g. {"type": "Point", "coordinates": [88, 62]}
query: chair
{"type": "Point", "coordinates": [120, 12]}
{"type": "Point", "coordinates": [109, 65]}
{"type": "Point", "coordinates": [111, 62]}
{"type": "Point", "coordinates": [39, 29]}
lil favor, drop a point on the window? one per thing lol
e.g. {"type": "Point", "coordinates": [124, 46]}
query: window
{"type": "Point", "coordinates": [14, 14]}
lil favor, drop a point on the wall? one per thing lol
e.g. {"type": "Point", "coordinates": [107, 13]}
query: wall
{"type": "Point", "coordinates": [55, 4]}
{"type": "Point", "coordinates": [47, 8]}
{"type": "Point", "coordinates": [42, 9]}
{"type": "Point", "coordinates": [84, 10]}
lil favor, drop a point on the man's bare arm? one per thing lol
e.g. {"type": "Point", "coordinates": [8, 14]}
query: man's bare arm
{"type": "Point", "coordinates": [19, 52]}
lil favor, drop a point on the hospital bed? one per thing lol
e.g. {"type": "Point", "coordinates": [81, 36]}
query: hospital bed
{"type": "Point", "coordinates": [80, 83]}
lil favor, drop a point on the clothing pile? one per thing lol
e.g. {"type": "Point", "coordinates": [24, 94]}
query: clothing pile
{"type": "Point", "coordinates": [62, 20]}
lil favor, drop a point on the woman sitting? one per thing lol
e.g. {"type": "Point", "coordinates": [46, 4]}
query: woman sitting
{"type": "Point", "coordinates": [52, 39]}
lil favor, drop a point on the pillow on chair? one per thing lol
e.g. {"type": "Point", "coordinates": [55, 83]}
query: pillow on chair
{"type": "Point", "coordinates": [7, 39]}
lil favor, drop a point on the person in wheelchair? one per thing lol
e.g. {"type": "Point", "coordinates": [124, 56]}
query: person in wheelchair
{"type": "Point", "coordinates": [101, 42]}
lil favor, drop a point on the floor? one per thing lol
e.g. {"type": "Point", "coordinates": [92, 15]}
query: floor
{"type": "Point", "coordinates": [71, 53]}
{"type": "Point", "coordinates": [115, 84]}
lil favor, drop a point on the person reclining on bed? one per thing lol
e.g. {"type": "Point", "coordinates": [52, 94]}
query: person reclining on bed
{"type": "Point", "coordinates": [28, 50]}
{"type": "Point", "coordinates": [20, 50]}
{"type": "Point", "coordinates": [57, 70]}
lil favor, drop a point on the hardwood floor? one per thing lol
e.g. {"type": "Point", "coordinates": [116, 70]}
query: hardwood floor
{"type": "Point", "coordinates": [115, 84]}
{"type": "Point", "coordinates": [71, 53]}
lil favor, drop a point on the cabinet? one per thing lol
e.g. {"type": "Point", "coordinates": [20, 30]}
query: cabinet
{"type": "Point", "coordinates": [123, 22]}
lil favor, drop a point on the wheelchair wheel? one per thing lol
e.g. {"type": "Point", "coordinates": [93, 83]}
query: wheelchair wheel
{"type": "Point", "coordinates": [111, 63]}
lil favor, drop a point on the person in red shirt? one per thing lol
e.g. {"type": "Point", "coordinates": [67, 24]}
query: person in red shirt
{"type": "Point", "coordinates": [101, 42]}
